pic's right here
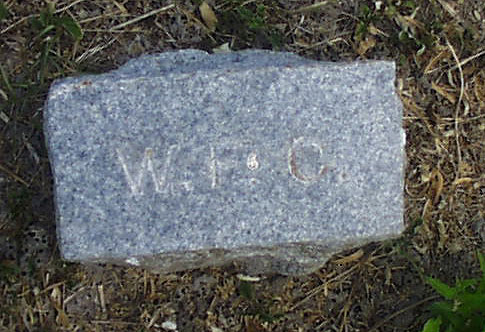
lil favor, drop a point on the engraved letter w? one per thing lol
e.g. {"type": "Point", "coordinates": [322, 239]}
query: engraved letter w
{"type": "Point", "coordinates": [135, 181]}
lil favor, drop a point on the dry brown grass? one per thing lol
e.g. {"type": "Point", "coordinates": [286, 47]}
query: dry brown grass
{"type": "Point", "coordinates": [438, 46]}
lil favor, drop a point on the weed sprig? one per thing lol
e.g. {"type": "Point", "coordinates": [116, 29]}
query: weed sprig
{"type": "Point", "coordinates": [464, 307]}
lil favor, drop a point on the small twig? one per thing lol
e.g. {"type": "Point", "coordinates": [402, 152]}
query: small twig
{"type": "Point", "coordinates": [3, 95]}
{"type": "Point", "coordinates": [449, 8]}
{"type": "Point", "coordinates": [462, 63]}
{"type": "Point", "coordinates": [460, 99]}
{"type": "Point", "coordinates": [399, 312]}
{"type": "Point", "coordinates": [156, 315]}
{"type": "Point", "coordinates": [327, 40]}
{"type": "Point", "coordinates": [134, 30]}
{"type": "Point", "coordinates": [13, 175]}
{"type": "Point", "coordinates": [60, 10]}
{"type": "Point", "coordinates": [113, 322]}
{"type": "Point", "coordinates": [13, 25]}
{"type": "Point", "coordinates": [309, 8]}
{"type": "Point", "coordinates": [319, 288]}
{"type": "Point", "coordinates": [142, 17]}
{"type": "Point", "coordinates": [31, 149]}
{"type": "Point", "coordinates": [102, 298]}
{"type": "Point", "coordinates": [94, 50]}
{"type": "Point", "coordinates": [48, 288]}
{"type": "Point", "coordinates": [69, 298]}
{"type": "Point", "coordinates": [94, 18]}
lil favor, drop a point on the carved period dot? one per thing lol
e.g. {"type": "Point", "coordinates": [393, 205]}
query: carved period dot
{"type": "Point", "coordinates": [187, 185]}
{"type": "Point", "coordinates": [252, 161]}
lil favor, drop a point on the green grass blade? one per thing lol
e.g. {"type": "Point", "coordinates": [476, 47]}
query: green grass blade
{"type": "Point", "coordinates": [442, 288]}
{"type": "Point", "coordinates": [471, 303]}
{"type": "Point", "coordinates": [448, 315]}
{"type": "Point", "coordinates": [71, 26]}
{"type": "Point", "coordinates": [432, 325]}
{"type": "Point", "coordinates": [481, 259]}
{"type": "Point", "coordinates": [5, 79]}
{"type": "Point", "coordinates": [45, 17]}
{"type": "Point", "coordinates": [46, 30]}
{"type": "Point", "coordinates": [3, 11]}
{"type": "Point", "coordinates": [44, 62]}
{"type": "Point", "coordinates": [246, 290]}
{"type": "Point", "coordinates": [463, 286]}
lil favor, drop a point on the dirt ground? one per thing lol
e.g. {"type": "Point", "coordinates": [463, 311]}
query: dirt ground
{"type": "Point", "coordinates": [438, 46]}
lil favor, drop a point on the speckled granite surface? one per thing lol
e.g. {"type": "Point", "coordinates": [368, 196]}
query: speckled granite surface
{"type": "Point", "coordinates": [183, 159]}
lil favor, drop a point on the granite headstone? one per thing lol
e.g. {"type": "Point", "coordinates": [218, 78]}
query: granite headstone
{"type": "Point", "coordinates": [183, 160]}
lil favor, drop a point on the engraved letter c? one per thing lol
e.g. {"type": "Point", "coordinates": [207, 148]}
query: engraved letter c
{"type": "Point", "coordinates": [293, 166]}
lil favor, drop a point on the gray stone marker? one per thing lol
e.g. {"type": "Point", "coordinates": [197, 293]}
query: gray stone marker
{"type": "Point", "coordinates": [184, 159]}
